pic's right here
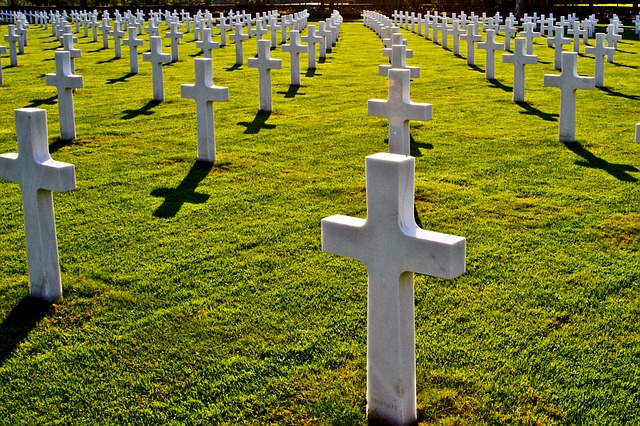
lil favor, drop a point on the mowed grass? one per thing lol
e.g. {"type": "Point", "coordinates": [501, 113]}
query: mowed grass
{"type": "Point", "coordinates": [198, 294]}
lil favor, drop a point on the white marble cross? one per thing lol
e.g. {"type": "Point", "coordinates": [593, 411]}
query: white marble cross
{"type": "Point", "coordinates": [529, 33]}
{"type": "Point", "coordinates": [557, 41]}
{"type": "Point", "coordinates": [600, 51]}
{"type": "Point", "coordinates": [223, 26]}
{"type": "Point", "coordinates": [206, 44]}
{"type": "Point", "coordinates": [12, 38]}
{"type": "Point", "coordinates": [399, 109]}
{"type": "Point", "coordinates": [490, 46]}
{"type": "Point", "coordinates": [577, 31]}
{"type": "Point", "coordinates": [265, 64]}
{"type": "Point", "coordinates": [294, 48]}
{"type": "Point", "coordinates": [133, 42]}
{"type": "Point", "coordinates": [3, 51]}
{"type": "Point", "coordinates": [106, 29]}
{"type": "Point", "coordinates": [456, 31]}
{"type": "Point", "coordinates": [38, 175]}
{"type": "Point", "coordinates": [204, 92]}
{"type": "Point", "coordinates": [471, 38]}
{"type": "Point", "coordinates": [175, 35]}
{"type": "Point", "coordinates": [325, 44]}
{"type": "Point", "coordinates": [65, 81]}
{"type": "Point", "coordinates": [118, 34]}
{"type": "Point", "coordinates": [398, 61]}
{"type": "Point", "coordinates": [568, 82]}
{"type": "Point", "coordinates": [239, 37]}
{"type": "Point", "coordinates": [312, 39]}
{"type": "Point", "coordinates": [612, 38]}
{"type": "Point", "coordinates": [393, 248]}
{"type": "Point", "coordinates": [67, 45]}
{"type": "Point", "coordinates": [519, 59]}
{"type": "Point", "coordinates": [157, 58]}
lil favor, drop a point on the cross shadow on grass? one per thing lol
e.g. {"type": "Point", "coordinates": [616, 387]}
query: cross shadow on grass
{"type": "Point", "coordinates": [618, 64]}
{"type": "Point", "coordinates": [531, 110]}
{"type": "Point", "coordinates": [610, 92]}
{"type": "Point", "coordinates": [174, 198]}
{"type": "Point", "coordinates": [476, 68]}
{"type": "Point", "coordinates": [618, 171]}
{"type": "Point", "coordinates": [106, 61]}
{"type": "Point", "coordinates": [58, 144]}
{"type": "Point", "coordinates": [234, 67]}
{"type": "Point", "coordinates": [497, 84]}
{"type": "Point", "coordinates": [122, 79]}
{"type": "Point", "coordinates": [146, 109]}
{"type": "Point", "coordinates": [311, 72]}
{"type": "Point", "coordinates": [97, 50]}
{"type": "Point", "coordinates": [43, 101]}
{"type": "Point", "coordinates": [292, 91]}
{"type": "Point", "coordinates": [23, 318]}
{"type": "Point", "coordinates": [258, 123]}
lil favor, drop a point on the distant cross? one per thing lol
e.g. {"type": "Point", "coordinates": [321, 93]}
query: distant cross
{"type": "Point", "coordinates": [509, 32]}
{"type": "Point", "coordinates": [3, 51]}
{"type": "Point", "coordinates": [471, 38]}
{"type": "Point", "coordinates": [600, 51]}
{"type": "Point", "coordinates": [206, 44]}
{"type": "Point", "coordinates": [612, 38]}
{"type": "Point", "coordinates": [490, 46]}
{"type": "Point", "coordinates": [393, 248]}
{"type": "Point", "coordinates": [38, 175]}
{"type": "Point", "coordinates": [205, 93]}
{"type": "Point", "coordinates": [456, 31]}
{"type": "Point", "coordinates": [118, 34]}
{"type": "Point", "coordinates": [576, 31]}
{"type": "Point", "coordinates": [294, 48]}
{"type": "Point", "coordinates": [325, 43]}
{"type": "Point", "coordinates": [133, 42]}
{"type": "Point", "coordinates": [12, 38]}
{"type": "Point", "coordinates": [175, 35]}
{"type": "Point", "coordinates": [557, 41]}
{"type": "Point", "coordinates": [519, 59]}
{"type": "Point", "coordinates": [95, 25]}
{"type": "Point", "coordinates": [568, 82]}
{"type": "Point", "coordinates": [398, 61]}
{"type": "Point", "coordinates": [446, 30]}
{"type": "Point", "coordinates": [65, 81]}
{"type": "Point", "coordinates": [529, 33]}
{"type": "Point", "coordinates": [106, 29]}
{"type": "Point", "coordinates": [396, 38]}
{"type": "Point", "coordinates": [265, 64]}
{"type": "Point", "coordinates": [273, 27]}
{"type": "Point", "coordinates": [157, 58]}
{"type": "Point", "coordinates": [67, 46]}
{"type": "Point", "coordinates": [260, 29]}
{"type": "Point", "coordinates": [312, 39]}
{"type": "Point", "coordinates": [399, 109]}
{"type": "Point", "coordinates": [239, 37]}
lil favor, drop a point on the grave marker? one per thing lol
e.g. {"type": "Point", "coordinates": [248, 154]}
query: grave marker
{"type": "Point", "coordinates": [264, 63]}
{"type": "Point", "coordinates": [12, 38]}
{"type": "Point", "coordinates": [393, 248]}
{"type": "Point", "coordinates": [65, 81]}
{"type": "Point", "coordinates": [557, 41]}
{"type": "Point", "coordinates": [471, 38]}
{"type": "Point", "coordinates": [206, 44]}
{"type": "Point", "coordinates": [600, 51]}
{"type": "Point", "coordinates": [490, 46]}
{"type": "Point", "coordinates": [38, 176]}
{"type": "Point", "coordinates": [175, 35]}
{"type": "Point", "coordinates": [294, 48]}
{"type": "Point", "coordinates": [157, 58]}
{"type": "Point", "coordinates": [133, 42]}
{"type": "Point", "coordinates": [312, 39]}
{"type": "Point", "coordinates": [519, 59]}
{"type": "Point", "coordinates": [239, 37]}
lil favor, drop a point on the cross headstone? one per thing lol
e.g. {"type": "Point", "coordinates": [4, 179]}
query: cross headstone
{"type": "Point", "coordinates": [471, 38]}
{"type": "Point", "coordinates": [600, 51]}
{"type": "Point", "coordinates": [612, 38]}
{"type": "Point", "coordinates": [393, 248]}
{"type": "Point", "coordinates": [265, 64]}
{"type": "Point", "coordinates": [133, 42]}
{"type": "Point", "coordinates": [239, 37]}
{"type": "Point", "coordinates": [529, 34]}
{"type": "Point", "coordinates": [13, 39]}
{"type": "Point", "coordinates": [106, 29]}
{"type": "Point", "coordinates": [312, 39]}
{"type": "Point", "coordinates": [118, 34]}
{"type": "Point", "coordinates": [206, 44]}
{"type": "Point", "coordinates": [519, 59]}
{"type": "Point", "coordinates": [399, 109]}
{"type": "Point", "coordinates": [175, 35]}
{"type": "Point", "coordinates": [325, 43]}
{"type": "Point", "coordinates": [157, 58]}
{"type": "Point", "coordinates": [295, 49]}
{"type": "Point", "coordinates": [38, 176]}
{"type": "Point", "coordinates": [398, 61]}
{"type": "Point", "coordinates": [204, 92]}
{"type": "Point", "coordinates": [490, 46]}
{"type": "Point", "coordinates": [568, 82]}
{"type": "Point", "coordinates": [557, 41]}
{"type": "Point", "coordinates": [67, 45]}
{"type": "Point", "coordinates": [65, 81]}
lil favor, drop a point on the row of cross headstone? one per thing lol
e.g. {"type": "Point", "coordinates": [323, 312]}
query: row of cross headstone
{"type": "Point", "coordinates": [392, 246]}
{"type": "Point", "coordinates": [466, 28]}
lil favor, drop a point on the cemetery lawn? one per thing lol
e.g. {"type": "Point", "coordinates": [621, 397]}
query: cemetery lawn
{"type": "Point", "coordinates": [198, 294]}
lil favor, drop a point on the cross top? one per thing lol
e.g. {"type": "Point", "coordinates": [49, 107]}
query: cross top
{"type": "Point", "coordinates": [399, 109]}
{"type": "Point", "coordinates": [398, 60]}
{"type": "Point", "coordinates": [519, 58]}
{"type": "Point", "coordinates": [204, 90]}
{"type": "Point", "coordinates": [264, 62]}
{"type": "Point", "coordinates": [206, 44]}
{"type": "Point", "coordinates": [155, 55]}
{"type": "Point", "coordinates": [238, 36]}
{"type": "Point", "coordinates": [67, 45]}
{"type": "Point", "coordinates": [133, 41]}
{"type": "Point", "coordinates": [63, 78]}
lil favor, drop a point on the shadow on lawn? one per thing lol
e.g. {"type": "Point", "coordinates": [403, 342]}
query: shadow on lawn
{"type": "Point", "coordinates": [497, 84]}
{"type": "Point", "coordinates": [530, 110]}
{"type": "Point", "coordinates": [146, 109]}
{"type": "Point", "coordinates": [23, 318]}
{"type": "Point", "coordinates": [122, 79]}
{"type": "Point", "coordinates": [292, 92]}
{"type": "Point", "coordinates": [45, 101]}
{"type": "Point", "coordinates": [174, 198]}
{"type": "Point", "coordinates": [258, 123]}
{"type": "Point", "coordinates": [610, 92]}
{"type": "Point", "coordinates": [618, 171]}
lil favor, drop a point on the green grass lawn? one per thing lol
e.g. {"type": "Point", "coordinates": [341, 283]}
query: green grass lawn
{"type": "Point", "coordinates": [200, 295]}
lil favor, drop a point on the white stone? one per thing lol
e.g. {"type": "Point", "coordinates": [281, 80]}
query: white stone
{"type": "Point", "coordinates": [38, 175]}
{"type": "Point", "coordinates": [118, 34]}
{"type": "Point", "coordinates": [471, 37]}
{"type": "Point", "coordinates": [106, 29]}
{"type": "Point", "coordinates": [67, 45]}
{"type": "Point", "coordinates": [519, 59]}
{"type": "Point", "coordinates": [206, 44]}
{"type": "Point", "coordinates": [239, 37]}
{"type": "Point", "coordinates": [325, 44]}
{"type": "Point", "coordinates": [529, 34]}
{"type": "Point", "coordinates": [398, 61]}
{"type": "Point", "coordinates": [399, 110]}
{"type": "Point", "coordinates": [13, 39]}
{"type": "Point", "coordinates": [312, 39]}
{"type": "Point", "coordinates": [65, 81]}
{"type": "Point", "coordinates": [638, 133]}
{"type": "Point", "coordinates": [568, 82]}
{"type": "Point", "coordinates": [156, 58]}
{"type": "Point", "coordinates": [490, 46]}
{"type": "Point", "coordinates": [175, 35]}
{"type": "Point", "coordinates": [264, 63]}
{"type": "Point", "coordinates": [133, 42]}
{"type": "Point", "coordinates": [3, 51]}
{"type": "Point", "coordinates": [204, 92]}
{"type": "Point", "coordinates": [600, 51]}
{"type": "Point", "coordinates": [294, 48]}
{"type": "Point", "coordinates": [393, 248]}
{"type": "Point", "coordinates": [557, 41]}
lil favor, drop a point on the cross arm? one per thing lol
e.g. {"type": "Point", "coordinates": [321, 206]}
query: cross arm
{"type": "Point", "coordinates": [58, 176]}
{"type": "Point", "coordinates": [443, 255]}
{"type": "Point", "coordinates": [342, 235]}
{"type": "Point", "coordinates": [8, 167]}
